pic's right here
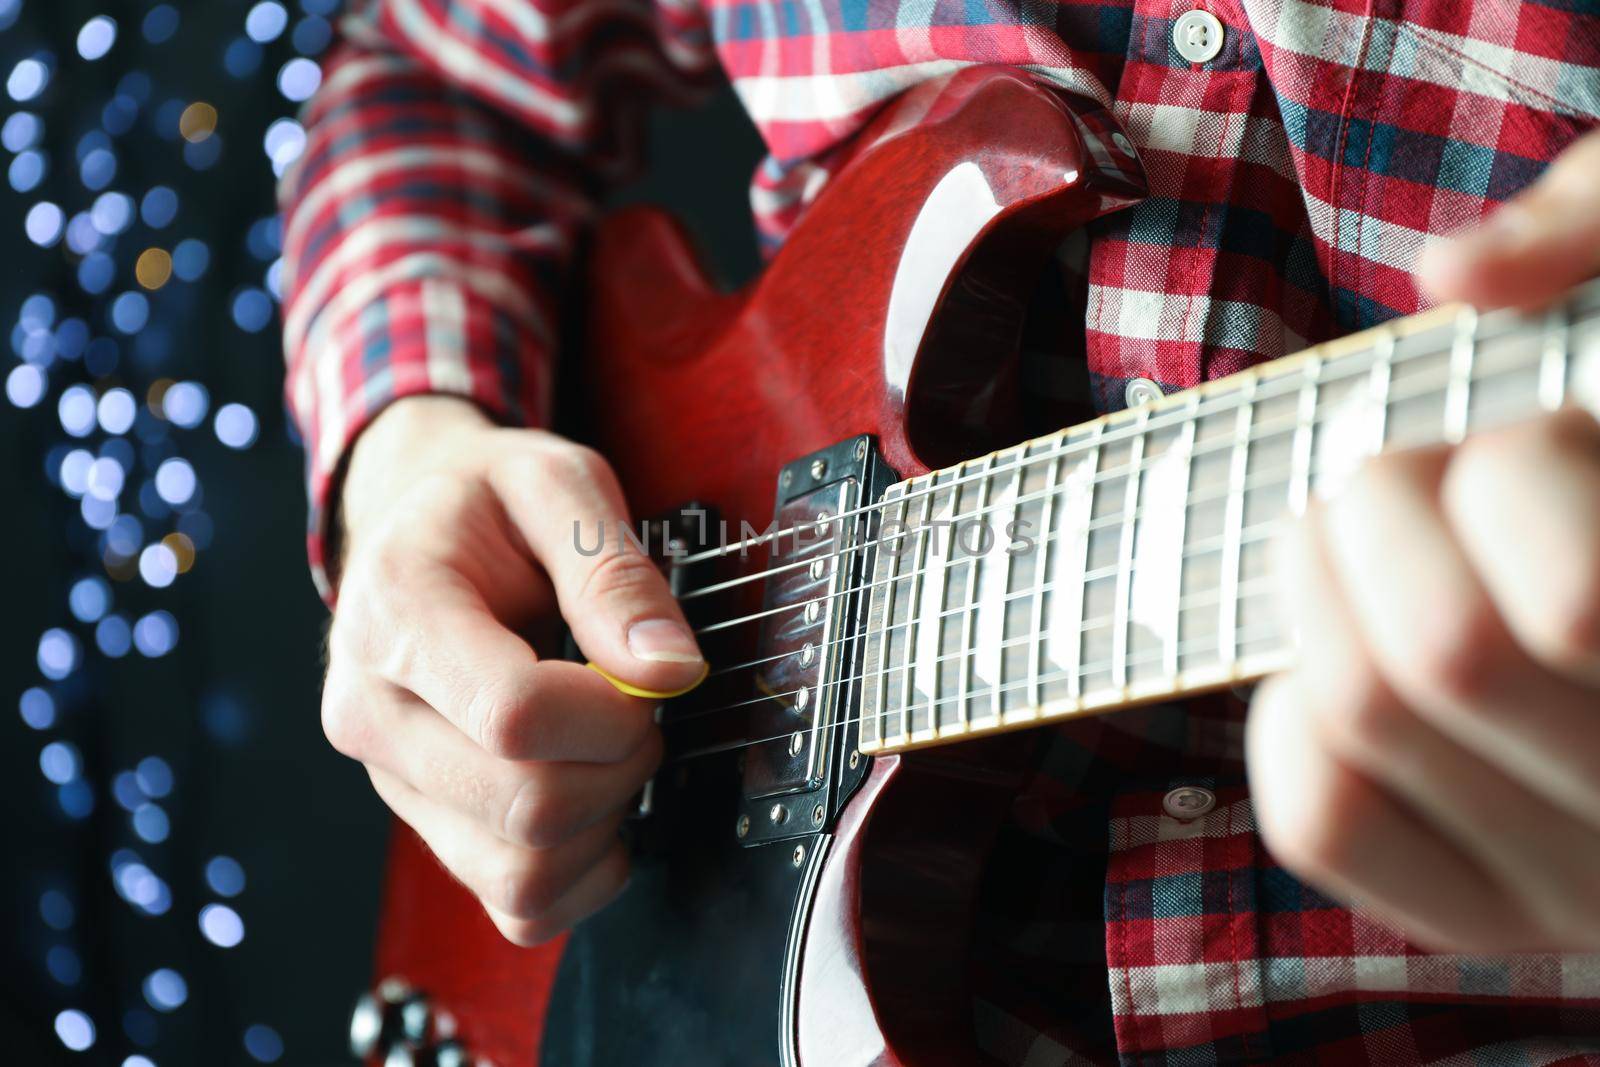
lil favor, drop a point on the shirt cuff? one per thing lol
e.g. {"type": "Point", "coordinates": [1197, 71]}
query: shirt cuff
{"type": "Point", "coordinates": [432, 336]}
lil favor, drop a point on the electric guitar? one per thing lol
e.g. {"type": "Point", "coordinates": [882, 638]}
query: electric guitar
{"type": "Point", "coordinates": [869, 595]}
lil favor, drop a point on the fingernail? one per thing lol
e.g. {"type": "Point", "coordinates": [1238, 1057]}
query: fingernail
{"type": "Point", "coordinates": [662, 641]}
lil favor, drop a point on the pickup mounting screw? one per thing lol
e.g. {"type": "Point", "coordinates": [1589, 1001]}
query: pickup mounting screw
{"type": "Point", "coordinates": [799, 855]}
{"type": "Point", "coordinates": [855, 760]}
{"type": "Point", "coordinates": [808, 654]}
{"type": "Point", "coordinates": [861, 448]}
{"type": "Point", "coordinates": [802, 697]}
{"type": "Point", "coordinates": [796, 743]}
{"type": "Point", "coordinates": [819, 467]}
{"type": "Point", "coordinates": [819, 568]}
{"type": "Point", "coordinates": [817, 814]}
{"type": "Point", "coordinates": [786, 478]}
{"type": "Point", "coordinates": [813, 611]}
{"type": "Point", "coordinates": [742, 827]}
{"type": "Point", "coordinates": [778, 814]}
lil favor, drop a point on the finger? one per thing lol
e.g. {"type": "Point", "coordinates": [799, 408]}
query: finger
{"type": "Point", "coordinates": [1544, 575]}
{"type": "Point", "coordinates": [1343, 834]}
{"type": "Point", "coordinates": [434, 636]}
{"type": "Point", "coordinates": [528, 803]}
{"type": "Point", "coordinates": [1534, 247]}
{"type": "Point", "coordinates": [622, 614]}
{"type": "Point", "coordinates": [516, 884]}
{"type": "Point", "coordinates": [1439, 642]}
{"type": "Point", "coordinates": [1540, 855]}
{"type": "Point", "coordinates": [599, 886]}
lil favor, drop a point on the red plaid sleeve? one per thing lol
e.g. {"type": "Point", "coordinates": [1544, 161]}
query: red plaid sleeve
{"type": "Point", "coordinates": [451, 154]}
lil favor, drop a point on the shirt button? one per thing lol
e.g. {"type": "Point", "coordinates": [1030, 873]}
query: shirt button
{"type": "Point", "coordinates": [1198, 36]}
{"type": "Point", "coordinates": [1141, 391]}
{"type": "Point", "coordinates": [1188, 802]}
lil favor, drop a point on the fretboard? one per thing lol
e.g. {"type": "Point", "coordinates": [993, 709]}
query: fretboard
{"type": "Point", "coordinates": [1125, 561]}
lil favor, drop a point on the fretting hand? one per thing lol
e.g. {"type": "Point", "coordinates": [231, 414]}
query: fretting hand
{"type": "Point", "coordinates": [1436, 754]}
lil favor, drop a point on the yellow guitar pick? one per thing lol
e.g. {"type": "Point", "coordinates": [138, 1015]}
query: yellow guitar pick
{"type": "Point", "coordinates": [649, 694]}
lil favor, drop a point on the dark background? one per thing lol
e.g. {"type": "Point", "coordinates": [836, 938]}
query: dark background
{"type": "Point", "coordinates": [105, 876]}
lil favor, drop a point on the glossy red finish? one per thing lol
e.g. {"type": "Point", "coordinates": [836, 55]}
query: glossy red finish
{"type": "Point", "coordinates": [884, 975]}
{"type": "Point", "coordinates": [893, 310]}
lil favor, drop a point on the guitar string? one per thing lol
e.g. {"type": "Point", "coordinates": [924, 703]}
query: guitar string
{"type": "Point", "coordinates": [1280, 424]}
{"type": "Point", "coordinates": [1559, 318]}
{"type": "Point", "coordinates": [1078, 630]}
{"type": "Point", "coordinates": [1246, 636]}
{"type": "Point", "coordinates": [1247, 535]}
{"type": "Point", "coordinates": [1264, 430]}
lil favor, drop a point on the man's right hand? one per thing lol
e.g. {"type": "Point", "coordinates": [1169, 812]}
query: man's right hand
{"type": "Point", "coordinates": [458, 536]}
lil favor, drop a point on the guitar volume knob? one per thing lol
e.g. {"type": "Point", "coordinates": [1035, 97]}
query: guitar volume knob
{"type": "Point", "coordinates": [416, 1020]}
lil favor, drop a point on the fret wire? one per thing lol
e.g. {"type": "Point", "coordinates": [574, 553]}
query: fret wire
{"type": "Point", "coordinates": [1305, 432]}
{"type": "Point", "coordinates": [1233, 525]}
{"type": "Point", "coordinates": [1130, 525]}
{"type": "Point", "coordinates": [913, 609]}
{"type": "Point", "coordinates": [964, 669]}
{"type": "Point", "coordinates": [1382, 373]}
{"type": "Point", "coordinates": [1553, 361]}
{"type": "Point", "coordinates": [1458, 398]}
{"type": "Point", "coordinates": [1185, 442]}
{"type": "Point", "coordinates": [929, 641]}
{"type": "Point", "coordinates": [1041, 569]}
{"type": "Point", "coordinates": [886, 646]}
{"type": "Point", "coordinates": [993, 638]}
{"type": "Point", "coordinates": [1079, 600]}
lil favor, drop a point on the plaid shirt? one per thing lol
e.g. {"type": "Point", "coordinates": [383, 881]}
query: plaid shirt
{"type": "Point", "coordinates": [1295, 179]}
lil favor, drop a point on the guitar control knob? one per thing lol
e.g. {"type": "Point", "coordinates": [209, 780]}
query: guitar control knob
{"type": "Point", "coordinates": [366, 1026]}
{"type": "Point", "coordinates": [451, 1054]}
{"type": "Point", "coordinates": [416, 1020]}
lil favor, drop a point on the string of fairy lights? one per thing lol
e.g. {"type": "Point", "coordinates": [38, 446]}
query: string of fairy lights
{"type": "Point", "coordinates": [97, 352]}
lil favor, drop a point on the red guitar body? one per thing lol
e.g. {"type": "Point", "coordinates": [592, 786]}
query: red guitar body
{"type": "Point", "coordinates": [894, 311]}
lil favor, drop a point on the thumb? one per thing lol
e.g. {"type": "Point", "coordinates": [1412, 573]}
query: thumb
{"type": "Point", "coordinates": [1536, 246]}
{"type": "Point", "coordinates": [623, 616]}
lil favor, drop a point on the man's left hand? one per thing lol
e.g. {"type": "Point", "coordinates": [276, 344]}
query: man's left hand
{"type": "Point", "coordinates": [1435, 757]}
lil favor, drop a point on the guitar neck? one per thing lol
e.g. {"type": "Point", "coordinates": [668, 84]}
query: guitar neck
{"type": "Point", "coordinates": [1125, 561]}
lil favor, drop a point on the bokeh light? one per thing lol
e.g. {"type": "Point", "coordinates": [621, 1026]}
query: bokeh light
{"type": "Point", "coordinates": [97, 37]}
{"type": "Point", "coordinates": [225, 876]}
{"type": "Point", "coordinates": [221, 925]}
{"type": "Point", "coordinates": [75, 1029]}
{"type": "Point", "coordinates": [165, 990]}
{"type": "Point", "coordinates": [37, 708]}
{"type": "Point", "coordinates": [236, 426]}
{"type": "Point", "coordinates": [153, 268]}
{"type": "Point", "coordinates": [263, 1043]}
{"type": "Point", "coordinates": [198, 122]}
{"type": "Point", "coordinates": [266, 21]}
{"type": "Point", "coordinates": [27, 80]}
{"type": "Point", "coordinates": [44, 223]}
